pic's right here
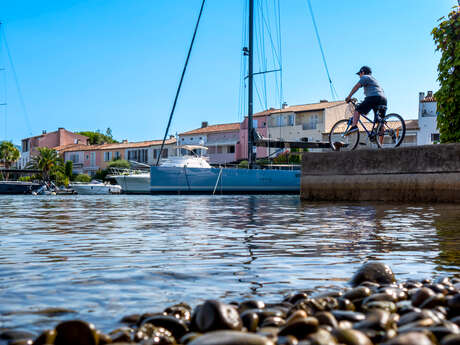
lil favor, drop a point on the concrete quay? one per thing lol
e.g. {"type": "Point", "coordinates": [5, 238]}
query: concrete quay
{"type": "Point", "coordinates": [428, 173]}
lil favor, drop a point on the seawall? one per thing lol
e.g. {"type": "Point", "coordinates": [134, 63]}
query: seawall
{"type": "Point", "coordinates": [428, 173]}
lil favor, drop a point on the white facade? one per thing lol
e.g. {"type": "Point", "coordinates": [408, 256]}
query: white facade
{"type": "Point", "coordinates": [427, 120]}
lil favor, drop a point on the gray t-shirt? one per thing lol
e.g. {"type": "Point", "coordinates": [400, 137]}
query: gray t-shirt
{"type": "Point", "coordinates": [371, 86]}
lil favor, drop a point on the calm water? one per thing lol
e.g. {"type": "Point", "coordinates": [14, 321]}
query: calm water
{"type": "Point", "coordinates": [108, 256]}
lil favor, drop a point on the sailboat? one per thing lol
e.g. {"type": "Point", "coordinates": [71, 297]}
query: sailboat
{"type": "Point", "coordinates": [186, 180]}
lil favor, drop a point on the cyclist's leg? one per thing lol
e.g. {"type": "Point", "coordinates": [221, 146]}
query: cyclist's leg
{"type": "Point", "coordinates": [362, 108]}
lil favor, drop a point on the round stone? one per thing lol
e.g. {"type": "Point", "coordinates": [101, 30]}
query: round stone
{"type": "Point", "coordinates": [231, 338]}
{"type": "Point", "coordinates": [374, 272]}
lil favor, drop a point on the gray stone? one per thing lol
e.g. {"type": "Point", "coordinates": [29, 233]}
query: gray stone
{"type": "Point", "coordinates": [375, 272]}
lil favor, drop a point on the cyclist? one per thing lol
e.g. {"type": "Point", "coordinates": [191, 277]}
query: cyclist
{"type": "Point", "coordinates": [373, 92]}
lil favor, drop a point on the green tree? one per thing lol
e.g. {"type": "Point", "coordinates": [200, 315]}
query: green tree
{"type": "Point", "coordinates": [447, 39]}
{"type": "Point", "coordinates": [97, 138]}
{"type": "Point", "coordinates": [8, 155]}
{"type": "Point", "coordinates": [82, 178]}
{"type": "Point", "coordinates": [68, 169]}
{"type": "Point", "coordinates": [48, 161]}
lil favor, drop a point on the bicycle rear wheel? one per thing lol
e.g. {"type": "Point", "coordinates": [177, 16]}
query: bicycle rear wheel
{"type": "Point", "coordinates": [391, 131]}
{"type": "Point", "coordinates": [340, 139]}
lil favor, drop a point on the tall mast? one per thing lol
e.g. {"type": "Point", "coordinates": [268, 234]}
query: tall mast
{"type": "Point", "coordinates": [250, 86]}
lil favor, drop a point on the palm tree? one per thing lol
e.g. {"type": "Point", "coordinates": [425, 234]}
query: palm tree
{"type": "Point", "coordinates": [8, 155]}
{"type": "Point", "coordinates": [47, 161]}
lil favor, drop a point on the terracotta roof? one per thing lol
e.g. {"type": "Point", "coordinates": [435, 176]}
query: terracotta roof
{"type": "Point", "coordinates": [116, 146]}
{"type": "Point", "coordinates": [300, 108]}
{"type": "Point", "coordinates": [45, 134]}
{"type": "Point", "coordinates": [227, 127]}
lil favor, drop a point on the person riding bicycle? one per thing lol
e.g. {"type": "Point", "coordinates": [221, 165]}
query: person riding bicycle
{"type": "Point", "coordinates": [373, 92]}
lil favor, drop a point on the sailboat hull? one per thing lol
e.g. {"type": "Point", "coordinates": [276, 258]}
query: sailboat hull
{"type": "Point", "coordinates": [182, 180]}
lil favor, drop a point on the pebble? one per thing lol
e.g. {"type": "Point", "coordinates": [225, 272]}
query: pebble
{"type": "Point", "coordinates": [374, 311]}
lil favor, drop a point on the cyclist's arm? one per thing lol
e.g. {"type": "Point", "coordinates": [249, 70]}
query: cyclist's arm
{"type": "Point", "coordinates": [352, 92]}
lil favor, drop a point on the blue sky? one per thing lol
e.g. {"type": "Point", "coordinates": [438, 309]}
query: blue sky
{"type": "Point", "coordinates": [88, 65]}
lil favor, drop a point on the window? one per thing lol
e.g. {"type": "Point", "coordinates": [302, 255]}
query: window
{"type": "Point", "coordinates": [434, 137]}
{"type": "Point", "coordinates": [117, 155]}
{"type": "Point", "coordinates": [87, 157]}
{"type": "Point", "coordinates": [74, 157]}
{"type": "Point", "coordinates": [107, 156]}
{"type": "Point", "coordinates": [311, 123]}
{"type": "Point", "coordinates": [290, 120]}
{"type": "Point", "coordinates": [231, 149]}
{"type": "Point", "coordinates": [212, 150]}
{"type": "Point", "coordinates": [219, 149]}
{"type": "Point", "coordinates": [140, 156]}
{"type": "Point", "coordinates": [254, 123]}
{"type": "Point", "coordinates": [156, 153]}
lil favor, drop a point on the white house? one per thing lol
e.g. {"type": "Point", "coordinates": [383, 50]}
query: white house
{"type": "Point", "coordinates": [427, 120]}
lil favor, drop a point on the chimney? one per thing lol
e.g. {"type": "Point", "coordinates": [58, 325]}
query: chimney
{"type": "Point", "coordinates": [323, 100]}
{"type": "Point", "coordinates": [44, 131]}
{"type": "Point", "coordinates": [429, 94]}
{"type": "Point", "coordinates": [204, 124]}
{"type": "Point", "coordinates": [125, 141]}
{"type": "Point", "coordinates": [171, 136]}
{"type": "Point", "coordinates": [284, 105]}
{"type": "Point", "coordinates": [421, 96]}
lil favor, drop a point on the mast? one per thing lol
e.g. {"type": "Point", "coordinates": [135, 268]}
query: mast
{"type": "Point", "coordinates": [251, 157]}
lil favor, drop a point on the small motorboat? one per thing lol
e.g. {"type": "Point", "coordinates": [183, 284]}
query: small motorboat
{"type": "Point", "coordinates": [95, 187]}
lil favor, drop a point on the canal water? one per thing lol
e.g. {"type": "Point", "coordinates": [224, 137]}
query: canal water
{"type": "Point", "coordinates": [104, 257]}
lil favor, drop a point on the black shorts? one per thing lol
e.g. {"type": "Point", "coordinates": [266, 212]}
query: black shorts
{"type": "Point", "coordinates": [370, 103]}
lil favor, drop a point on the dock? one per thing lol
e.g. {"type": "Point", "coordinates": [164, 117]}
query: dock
{"type": "Point", "coordinates": [428, 173]}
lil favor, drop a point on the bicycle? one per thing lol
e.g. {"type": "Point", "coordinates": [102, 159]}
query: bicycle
{"type": "Point", "coordinates": [386, 131]}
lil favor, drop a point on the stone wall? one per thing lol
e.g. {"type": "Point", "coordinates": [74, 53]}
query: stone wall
{"type": "Point", "coordinates": [408, 174]}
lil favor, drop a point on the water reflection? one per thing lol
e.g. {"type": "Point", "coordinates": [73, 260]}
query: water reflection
{"type": "Point", "coordinates": [105, 257]}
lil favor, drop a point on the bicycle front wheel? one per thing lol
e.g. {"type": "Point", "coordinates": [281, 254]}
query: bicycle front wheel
{"type": "Point", "coordinates": [391, 131]}
{"type": "Point", "coordinates": [340, 139]}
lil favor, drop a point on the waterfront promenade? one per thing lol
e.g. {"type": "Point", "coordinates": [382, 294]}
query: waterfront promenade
{"type": "Point", "coordinates": [406, 174]}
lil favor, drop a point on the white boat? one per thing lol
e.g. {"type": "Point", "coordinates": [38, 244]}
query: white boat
{"type": "Point", "coordinates": [95, 188]}
{"type": "Point", "coordinates": [138, 181]}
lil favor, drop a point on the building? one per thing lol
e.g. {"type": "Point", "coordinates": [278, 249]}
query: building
{"type": "Point", "coordinates": [308, 122]}
{"type": "Point", "coordinates": [221, 140]}
{"type": "Point", "coordinates": [427, 119]}
{"type": "Point", "coordinates": [89, 159]}
{"type": "Point", "coordinates": [61, 137]}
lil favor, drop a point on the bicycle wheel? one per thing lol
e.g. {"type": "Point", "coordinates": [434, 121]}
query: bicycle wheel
{"type": "Point", "coordinates": [391, 131]}
{"type": "Point", "coordinates": [340, 140]}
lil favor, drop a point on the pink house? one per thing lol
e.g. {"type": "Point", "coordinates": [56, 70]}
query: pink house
{"type": "Point", "coordinates": [260, 124]}
{"type": "Point", "coordinates": [60, 137]}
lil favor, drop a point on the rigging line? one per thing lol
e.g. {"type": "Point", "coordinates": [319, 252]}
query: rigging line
{"type": "Point", "coordinates": [242, 86]}
{"type": "Point", "coordinates": [280, 53]}
{"type": "Point", "coordinates": [21, 98]}
{"type": "Point", "coordinates": [270, 37]}
{"type": "Point", "coordinates": [180, 82]}
{"type": "Point", "coordinates": [320, 46]}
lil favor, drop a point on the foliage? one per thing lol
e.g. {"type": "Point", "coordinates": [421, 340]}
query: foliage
{"type": "Point", "coordinates": [119, 163]}
{"type": "Point", "coordinates": [97, 138]}
{"type": "Point", "coordinates": [68, 169]}
{"type": "Point", "coordinates": [48, 161]}
{"type": "Point", "coordinates": [101, 174]}
{"type": "Point", "coordinates": [287, 158]}
{"type": "Point", "coordinates": [243, 164]}
{"type": "Point", "coordinates": [25, 178]}
{"type": "Point", "coordinates": [447, 39]}
{"type": "Point", "coordinates": [8, 154]}
{"type": "Point", "coordinates": [82, 178]}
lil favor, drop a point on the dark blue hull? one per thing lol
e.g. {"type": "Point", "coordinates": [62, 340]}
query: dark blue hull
{"type": "Point", "coordinates": [180, 180]}
{"type": "Point", "coordinates": [18, 187]}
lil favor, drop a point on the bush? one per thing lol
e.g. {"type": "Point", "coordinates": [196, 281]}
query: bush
{"type": "Point", "coordinates": [446, 37]}
{"type": "Point", "coordinates": [82, 178]}
{"type": "Point", "coordinates": [119, 163]}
